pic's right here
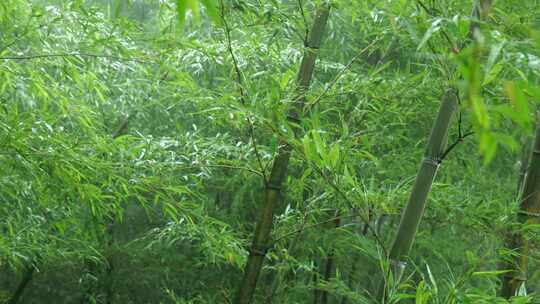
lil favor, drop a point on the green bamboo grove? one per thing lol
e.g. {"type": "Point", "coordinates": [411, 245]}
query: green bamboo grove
{"type": "Point", "coordinates": [248, 151]}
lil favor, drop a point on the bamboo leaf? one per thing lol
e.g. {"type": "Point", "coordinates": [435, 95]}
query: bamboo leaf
{"type": "Point", "coordinates": [319, 144]}
{"type": "Point", "coordinates": [435, 27]}
{"type": "Point", "coordinates": [488, 146]}
{"type": "Point", "coordinates": [308, 148]}
{"type": "Point", "coordinates": [171, 211]}
{"type": "Point", "coordinates": [492, 74]}
{"type": "Point", "coordinates": [480, 111]}
{"type": "Point", "coordinates": [521, 105]}
{"type": "Point", "coordinates": [211, 10]}
{"type": "Point", "coordinates": [181, 10]}
{"type": "Point", "coordinates": [333, 156]}
{"type": "Point", "coordinates": [490, 273]}
{"type": "Point", "coordinates": [194, 9]}
{"type": "Point", "coordinates": [493, 55]}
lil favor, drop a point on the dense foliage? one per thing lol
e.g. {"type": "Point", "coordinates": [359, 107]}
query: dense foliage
{"type": "Point", "coordinates": [137, 139]}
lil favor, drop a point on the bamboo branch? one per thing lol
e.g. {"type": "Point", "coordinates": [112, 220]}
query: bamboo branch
{"type": "Point", "coordinates": [19, 37]}
{"type": "Point", "coordinates": [223, 166]}
{"type": "Point", "coordinates": [236, 67]}
{"type": "Point", "coordinates": [310, 105]}
{"type": "Point", "coordinates": [301, 7]}
{"type": "Point", "coordinates": [445, 35]}
{"type": "Point", "coordinates": [346, 198]}
{"type": "Point", "coordinates": [75, 54]}
{"type": "Point", "coordinates": [286, 235]}
{"type": "Point", "coordinates": [240, 82]}
{"type": "Point", "coordinates": [454, 144]}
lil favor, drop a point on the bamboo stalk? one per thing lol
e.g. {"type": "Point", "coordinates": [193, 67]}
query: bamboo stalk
{"type": "Point", "coordinates": [280, 275]}
{"type": "Point", "coordinates": [435, 152]}
{"type": "Point", "coordinates": [329, 266]}
{"type": "Point", "coordinates": [428, 169]}
{"type": "Point", "coordinates": [480, 11]}
{"type": "Point", "coordinates": [278, 173]}
{"type": "Point", "coordinates": [524, 166]}
{"type": "Point", "coordinates": [315, 279]}
{"type": "Point", "coordinates": [91, 267]}
{"type": "Point", "coordinates": [529, 209]}
{"type": "Point", "coordinates": [27, 277]}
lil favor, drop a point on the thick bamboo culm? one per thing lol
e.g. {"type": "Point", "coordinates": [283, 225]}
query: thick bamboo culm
{"type": "Point", "coordinates": [278, 173]}
{"type": "Point", "coordinates": [529, 209]}
{"type": "Point", "coordinates": [414, 210]}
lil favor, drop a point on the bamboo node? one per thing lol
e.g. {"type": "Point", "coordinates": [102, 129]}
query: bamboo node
{"type": "Point", "coordinates": [294, 119]}
{"type": "Point", "coordinates": [528, 213]}
{"type": "Point", "coordinates": [520, 279]}
{"type": "Point", "coordinates": [258, 251]}
{"type": "Point", "coordinates": [398, 264]}
{"type": "Point", "coordinates": [273, 186]}
{"type": "Point", "coordinates": [434, 161]}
